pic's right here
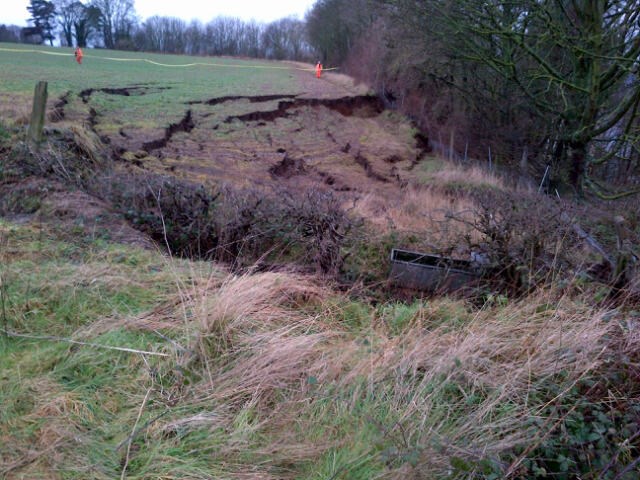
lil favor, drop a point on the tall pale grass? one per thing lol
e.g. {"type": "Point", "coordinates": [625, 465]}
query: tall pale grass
{"type": "Point", "coordinates": [469, 176]}
{"type": "Point", "coordinates": [414, 209]}
{"type": "Point", "coordinates": [467, 388]}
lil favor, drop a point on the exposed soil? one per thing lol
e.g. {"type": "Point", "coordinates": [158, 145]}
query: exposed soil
{"type": "Point", "coordinates": [288, 167]}
{"type": "Point", "coordinates": [363, 106]}
{"type": "Point", "coordinates": [262, 117]}
{"type": "Point", "coordinates": [393, 159]}
{"type": "Point", "coordinates": [185, 125]}
{"type": "Point", "coordinates": [51, 202]}
{"type": "Point", "coordinates": [58, 114]}
{"type": "Point", "coordinates": [85, 95]}
{"type": "Point", "coordinates": [341, 143]}
{"type": "Point", "coordinates": [234, 98]}
{"type": "Point", "coordinates": [424, 148]}
{"type": "Point", "coordinates": [93, 117]}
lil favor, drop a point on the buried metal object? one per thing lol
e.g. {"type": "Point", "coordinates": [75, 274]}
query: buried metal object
{"type": "Point", "coordinates": [422, 271]}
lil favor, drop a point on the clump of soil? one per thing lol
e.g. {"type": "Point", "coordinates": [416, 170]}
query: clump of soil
{"type": "Point", "coordinates": [288, 167]}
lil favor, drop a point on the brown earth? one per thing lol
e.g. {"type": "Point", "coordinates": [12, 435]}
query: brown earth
{"type": "Point", "coordinates": [332, 135]}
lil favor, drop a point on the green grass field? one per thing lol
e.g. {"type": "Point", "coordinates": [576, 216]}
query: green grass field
{"type": "Point", "coordinates": [20, 71]}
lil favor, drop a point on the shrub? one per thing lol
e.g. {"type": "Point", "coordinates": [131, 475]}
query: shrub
{"type": "Point", "coordinates": [239, 226]}
{"type": "Point", "coordinates": [526, 240]}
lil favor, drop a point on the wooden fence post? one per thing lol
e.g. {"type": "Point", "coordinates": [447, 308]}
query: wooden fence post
{"type": "Point", "coordinates": [37, 114]}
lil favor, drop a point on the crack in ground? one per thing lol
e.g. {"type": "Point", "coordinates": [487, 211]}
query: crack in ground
{"type": "Point", "coordinates": [234, 98]}
{"type": "Point", "coordinates": [363, 106]}
{"type": "Point", "coordinates": [58, 109]}
{"type": "Point", "coordinates": [85, 95]}
{"type": "Point", "coordinates": [368, 168]}
{"type": "Point", "coordinates": [185, 125]}
{"type": "Point", "coordinates": [93, 121]}
{"type": "Point", "coordinates": [424, 148]}
{"type": "Point", "coordinates": [93, 116]}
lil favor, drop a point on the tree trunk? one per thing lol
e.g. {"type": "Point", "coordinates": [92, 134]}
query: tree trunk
{"type": "Point", "coordinates": [578, 160]}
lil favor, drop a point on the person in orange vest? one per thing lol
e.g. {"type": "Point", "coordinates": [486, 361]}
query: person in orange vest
{"type": "Point", "coordinates": [78, 54]}
{"type": "Point", "coordinates": [318, 69]}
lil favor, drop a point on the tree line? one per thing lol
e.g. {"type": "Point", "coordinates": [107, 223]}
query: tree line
{"type": "Point", "coordinates": [114, 24]}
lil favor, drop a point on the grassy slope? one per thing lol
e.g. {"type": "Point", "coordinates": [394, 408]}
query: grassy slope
{"type": "Point", "coordinates": [276, 376]}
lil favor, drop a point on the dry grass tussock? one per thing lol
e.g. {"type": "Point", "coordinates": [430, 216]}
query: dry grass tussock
{"type": "Point", "coordinates": [466, 388]}
{"type": "Point", "coordinates": [471, 176]}
{"type": "Point", "coordinates": [249, 304]}
{"type": "Point", "coordinates": [415, 209]}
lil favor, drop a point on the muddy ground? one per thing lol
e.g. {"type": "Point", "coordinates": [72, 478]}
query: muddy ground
{"type": "Point", "coordinates": [331, 135]}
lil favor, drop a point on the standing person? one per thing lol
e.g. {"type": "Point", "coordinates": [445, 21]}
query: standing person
{"type": "Point", "coordinates": [318, 69]}
{"type": "Point", "coordinates": [79, 55]}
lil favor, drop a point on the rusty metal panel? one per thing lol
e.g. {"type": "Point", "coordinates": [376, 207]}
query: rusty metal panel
{"type": "Point", "coordinates": [421, 271]}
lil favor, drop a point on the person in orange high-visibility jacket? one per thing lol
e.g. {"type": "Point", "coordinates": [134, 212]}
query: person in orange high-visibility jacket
{"type": "Point", "coordinates": [318, 69]}
{"type": "Point", "coordinates": [79, 55]}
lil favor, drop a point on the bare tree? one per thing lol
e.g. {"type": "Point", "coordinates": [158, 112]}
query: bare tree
{"type": "Point", "coordinates": [334, 26]}
{"type": "Point", "coordinates": [193, 38]}
{"type": "Point", "coordinates": [66, 18]}
{"type": "Point", "coordinates": [286, 39]}
{"type": "Point", "coordinates": [575, 64]}
{"type": "Point", "coordinates": [163, 34]}
{"type": "Point", "coordinates": [117, 20]}
{"type": "Point", "coordinates": [86, 22]}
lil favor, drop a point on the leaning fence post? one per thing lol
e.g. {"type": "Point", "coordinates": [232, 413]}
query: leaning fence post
{"type": "Point", "coordinates": [37, 114]}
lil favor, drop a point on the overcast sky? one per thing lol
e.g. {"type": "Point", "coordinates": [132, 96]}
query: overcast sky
{"type": "Point", "coordinates": [15, 12]}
